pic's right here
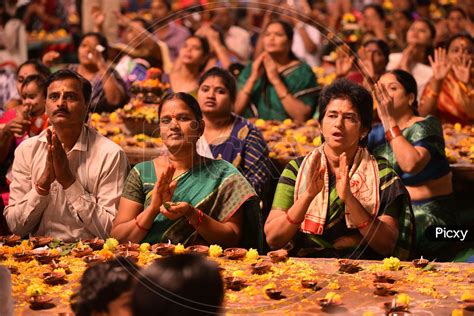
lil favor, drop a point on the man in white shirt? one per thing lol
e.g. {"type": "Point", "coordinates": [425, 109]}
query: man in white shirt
{"type": "Point", "coordinates": [67, 181]}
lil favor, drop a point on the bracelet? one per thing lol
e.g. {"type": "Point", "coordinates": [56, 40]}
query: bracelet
{"type": "Point", "coordinates": [284, 96]}
{"type": "Point", "coordinates": [39, 188]}
{"type": "Point", "coordinates": [199, 220]}
{"type": "Point", "coordinates": [364, 224]}
{"type": "Point", "coordinates": [139, 226]}
{"type": "Point", "coordinates": [393, 133]}
{"type": "Point", "coordinates": [292, 222]}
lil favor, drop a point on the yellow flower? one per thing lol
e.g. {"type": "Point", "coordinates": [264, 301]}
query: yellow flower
{"type": "Point", "coordinates": [317, 141]}
{"type": "Point", "coordinates": [348, 18]}
{"type": "Point", "coordinates": [260, 123]}
{"type": "Point", "coordinates": [403, 299]}
{"type": "Point", "coordinates": [239, 274]}
{"type": "Point", "coordinates": [457, 127]}
{"type": "Point", "coordinates": [60, 270]}
{"type": "Point", "coordinates": [353, 38]}
{"type": "Point", "coordinates": [457, 312]}
{"type": "Point", "coordinates": [110, 244]}
{"type": "Point", "coordinates": [333, 297]}
{"type": "Point", "coordinates": [179, 249]}
{"type": "Point", "coordinates": [368, 314]}
{"type": "Point", "coordinates": [391, 263]}
{"type": "Point", "coordinates": [288, 121]}
{"type": "Point", "coordinates": [467, 296]}
{"type": "Point", "coordinates": [252, 254]}
{"type": "Point", "coordinates": [144, 247]}
{"type": "Point", "coordinates": [215, 251]}
{"type": "Point", "coordinates": [35, 289]}
{"type": "Point", "coordinates": [95, 116]}
{"type": "Point", "coordinates": [334, 285]}
{"type": "Point", "coordinates": [272, 154]}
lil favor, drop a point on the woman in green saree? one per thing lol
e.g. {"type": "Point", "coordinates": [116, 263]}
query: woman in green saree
{"type": "Point", "coordinates": [414, 146]}
{"type": "Point", "coordinates": [183, 197]}
{"type": "Point", "coordinates": [276, 82]}
{"type": "Point", "coordinates": [339, 201]}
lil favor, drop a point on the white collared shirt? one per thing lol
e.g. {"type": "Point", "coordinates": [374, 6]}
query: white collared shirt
{"type": "Point", "coordinates": [87, 208]}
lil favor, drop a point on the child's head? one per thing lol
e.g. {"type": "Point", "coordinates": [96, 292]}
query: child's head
{"type": "Point", "coordinates": [180, 285]}
{"type": "Point", "coordinates": [105, 289]}
{"type": "Point", "coordinates": [32, 94]}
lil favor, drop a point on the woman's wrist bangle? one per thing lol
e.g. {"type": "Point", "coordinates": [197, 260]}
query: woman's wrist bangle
{"type": "Point", "coordinates": [365, 224]}
{"type": "Point", "coordinates": [292, 222]}
{"type": "Point", "coordinates": [41, 190]}
{"type": "Point", "coordinates": [200, 216]}
{"type": "Point", "coordinates": [140, 226]}
{"type": "Point", "coordinates": [393, 133]}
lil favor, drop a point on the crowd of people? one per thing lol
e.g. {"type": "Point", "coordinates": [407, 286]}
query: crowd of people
{"type": "Point", "coordinates": [371, 190]}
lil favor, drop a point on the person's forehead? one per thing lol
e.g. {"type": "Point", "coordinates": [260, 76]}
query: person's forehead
{"type": "Point", "coordinates": [67, 84]}
{"type": "Point", "coordinates": [372, 47]}
{"type": "Point", "coordinates": [345, 105]}
{"type": "Point", "coordinates": [214, 81]}
{"type": "Point", "coordinates": [174, 107]}
{"type": "Point", "coordinates": [27, 70]}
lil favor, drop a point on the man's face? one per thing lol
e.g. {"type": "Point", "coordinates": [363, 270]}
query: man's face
{"type": "Point", "coordinates": [65, 104]}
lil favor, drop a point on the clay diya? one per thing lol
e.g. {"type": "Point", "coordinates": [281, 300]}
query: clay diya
{"type": "Point", "coordinates": [91, 259]}
{"type": "Point", "coordinates": [274, 294]}
{"type": "Point", "coordinates": [326, 303]}
{"type": "Point", "coordinates": [11, 240]}
{"type": "Point", "coordinates": [131, 255]}
{"type": "Point", "coordinates": [13, 269]}
{"type": "Point", "coordinates": [58, 265]}
{"type": "Point", "coordinates": [163, 249]}
{"type": "Point", "coordinates": [235, 253]}
{"type": "Point", "coordinates": [383, 290]}
{"type": "Point", "coordinates": [54, 278]}
{"type": "Point", "coordinates": [200, 249]}
{"type": "Point", "coordinates": [45, 257]}
{"type": "Point", "coordinates": [40, 302]}
{"type": "Point", "coordinates": [394, 308]}
{"type": "Point", "coordinates": [469, 307]}
{"type": "Point", "coordinates": [95, 244]}
{"type": "Point", "coordinates": [81, 252]}
{"type": "Point", "coordinates": [234, 283]}
{"type": "Point", "coordinates": [381, 277]}
{"type": "Point", "coordinates": [23, 256]}
{"type": "Point", "coordinates": [130, 246]}
{"type": "Point", "coordinates": [348, 266]}
{"type": "Point", "coordinates": [40, 241]}
{"type": "Point", "coordinates": [420, 263]}
{"type": "Point", "coordinates": [261, 267]}
{"type": "Point", "coordinates": [310, 284]}
{"type": "Point", "coordinates": [280, 255]}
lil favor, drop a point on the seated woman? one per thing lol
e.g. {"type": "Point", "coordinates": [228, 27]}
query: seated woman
{"type": "Point", "coordinates": [106, 289]}
{"type": "Point", "coordinates": [191, 61]}
{"type": "Point", "coordinates": [184, 285]}
{"type": "Point", "coordinates": [228, 136]}
{"type": "Point", "coordinates": [184, 197]}
{"type": "Point", "coordinates": [108, 89]}
{"type": "Point", "coordinates": [139, 51]}
{"type": "Point", "coordinates": [450, 92]}
{"type": "Point", "coordinates": [276, 82]}
{"type": "Point", "coordinates": [414, 58]}
{"type": "Point", "coordinates": [339, 201]}
{"type": "Point", "coordinates": [415, 148]}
